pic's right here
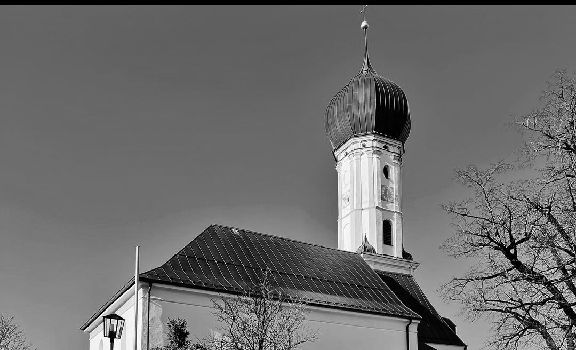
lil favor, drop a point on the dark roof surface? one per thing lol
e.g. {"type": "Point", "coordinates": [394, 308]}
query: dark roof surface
{"type": "Point", "coordinates": [368, 104]}
{"type": "Point", "coordinates": [233, 260]}
{"type": "Point", "coordinates": [424, 346]}
{"type": "Point", "coordinates": [432, 327]}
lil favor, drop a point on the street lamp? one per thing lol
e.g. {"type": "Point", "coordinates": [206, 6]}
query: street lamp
{"type": "Point", "coordinates": [113, 328]}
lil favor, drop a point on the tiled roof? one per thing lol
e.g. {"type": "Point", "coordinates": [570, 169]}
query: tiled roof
{"type": "Point", "coordinates": [232, 260]}
{"type": "Point", "coordinates": [432, 328]}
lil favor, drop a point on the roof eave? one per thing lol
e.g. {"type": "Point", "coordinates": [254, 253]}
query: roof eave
{"type": "Point", "coordinates": [415, 316]}
{"type": "Point", "coordinates": [110, 301]}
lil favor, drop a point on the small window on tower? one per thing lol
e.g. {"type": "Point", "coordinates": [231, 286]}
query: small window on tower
{"type": "Point", "coordinates": [387, 232]}
{"type": "Point", "coordinates": [386, 171]}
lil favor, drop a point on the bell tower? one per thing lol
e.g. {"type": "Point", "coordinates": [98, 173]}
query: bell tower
{"type": "Point", "coordinates": [367, 123]}
{"type": "Point", "coordinates": [370, 193]}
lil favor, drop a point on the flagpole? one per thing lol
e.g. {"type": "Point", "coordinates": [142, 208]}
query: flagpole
{"type": "Point", "coordinates": [136, 283]}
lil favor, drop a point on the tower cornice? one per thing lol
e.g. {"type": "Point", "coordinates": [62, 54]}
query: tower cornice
{"type": "Point", "coordinates": [389, 263]}
{"type": "Point", "coordinates": [369, 143]}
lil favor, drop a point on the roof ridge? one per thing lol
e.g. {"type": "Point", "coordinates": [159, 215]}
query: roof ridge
{"type": "Point", "coordinates": [177, 253]}
{"type": "Point", "coordinates": [284, 238]}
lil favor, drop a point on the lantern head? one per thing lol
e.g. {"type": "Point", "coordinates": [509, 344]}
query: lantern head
{"type": "Point", "coordinates": [113, 326]}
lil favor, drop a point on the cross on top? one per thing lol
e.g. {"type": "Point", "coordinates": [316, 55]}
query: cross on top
{"type": "Point", "coordinates": [363, 12]}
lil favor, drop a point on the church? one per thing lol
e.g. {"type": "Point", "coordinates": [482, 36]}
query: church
{"type": "Point", "coordinates": [360, 295]}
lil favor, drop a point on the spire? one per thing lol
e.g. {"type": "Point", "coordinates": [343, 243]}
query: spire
{"type": "Point", "coordinates": [366, 65]}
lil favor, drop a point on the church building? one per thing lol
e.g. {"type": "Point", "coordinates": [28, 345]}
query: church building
{"type": "Point", "coordinates": [360, 295]}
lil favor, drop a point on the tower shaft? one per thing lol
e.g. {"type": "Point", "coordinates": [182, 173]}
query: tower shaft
{"type": "Point", "coordinates": [370, 194]}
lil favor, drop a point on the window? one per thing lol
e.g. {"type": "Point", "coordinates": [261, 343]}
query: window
{"type": "Point", "coordinates": [386, 172]}
{"type": "Point", "coordinates": [387, 232]}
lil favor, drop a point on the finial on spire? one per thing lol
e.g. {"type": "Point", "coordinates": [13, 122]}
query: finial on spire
{"type": "Point", "coordinates": [363, 12]}
{"type": "Point", "coordinates": [364, 27]}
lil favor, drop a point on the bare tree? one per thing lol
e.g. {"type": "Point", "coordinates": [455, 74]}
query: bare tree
{"type": "Point", "coordinates": [519, 226]}
{"type": "Point", "coordinates": [259, 320]}
{"type": "Point", "coordinates": [11, 335]}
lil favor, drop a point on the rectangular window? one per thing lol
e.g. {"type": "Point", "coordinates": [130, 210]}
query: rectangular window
{"type": "Point", "coordinates": [387, 232]}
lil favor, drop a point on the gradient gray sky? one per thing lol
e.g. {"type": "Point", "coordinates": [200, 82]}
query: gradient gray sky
{"type": "Point", "coordinates": [143, 125]}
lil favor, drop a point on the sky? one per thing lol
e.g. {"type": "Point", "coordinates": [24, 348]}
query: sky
{"type": "Point", "coordinates": [124, 125]}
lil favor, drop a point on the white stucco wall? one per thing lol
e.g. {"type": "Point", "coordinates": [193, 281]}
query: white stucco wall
{"type": "Point", "coordinates": [123, 306]}
{"type": "Point", "coordinates": [336, 329]}
{"type": "Point", "coordinates": [365, 196]}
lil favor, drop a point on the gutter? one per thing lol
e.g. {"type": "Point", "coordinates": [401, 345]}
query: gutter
{"type": "Point", "coordinates": [413, 316]}
{"type": "Point", "coordinates": [408, 335]}
{"type": "Point", "coordinates": [148, 318]}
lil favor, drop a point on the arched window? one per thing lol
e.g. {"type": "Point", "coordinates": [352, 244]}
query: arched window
{"type": "Point", "coordinates": [101, 345]}
{"type": "Point", "coordinates": [387, 232]}
{"type": "Point", "coordinates": [386, 172]}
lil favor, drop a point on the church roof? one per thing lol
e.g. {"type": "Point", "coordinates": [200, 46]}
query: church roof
{"type": "Point", "coordinates": [233, 260]}
{"type": "Point", "coordinates": [432, 328]}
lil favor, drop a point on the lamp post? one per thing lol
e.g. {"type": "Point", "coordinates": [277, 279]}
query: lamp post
{"type": "Point", "coordinates": [113, 328]}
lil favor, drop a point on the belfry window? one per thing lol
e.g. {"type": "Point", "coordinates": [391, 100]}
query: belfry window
{"type": "Point", "coordinates": [386, 172]}
{"type": "Point", "coordinates": [387, 232]}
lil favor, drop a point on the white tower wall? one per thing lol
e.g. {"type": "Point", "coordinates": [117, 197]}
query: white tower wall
{"type": "Point", "coordinates": [366, 197]}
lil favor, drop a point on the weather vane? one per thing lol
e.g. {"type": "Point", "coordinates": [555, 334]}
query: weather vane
{"type": "Point", "coordinates": [366, 66]}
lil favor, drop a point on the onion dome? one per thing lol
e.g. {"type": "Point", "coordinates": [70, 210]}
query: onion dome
{"type": "Point", "coordinates": [365, 247]}
{"type": "Point", "coordinates": [368, 104]}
